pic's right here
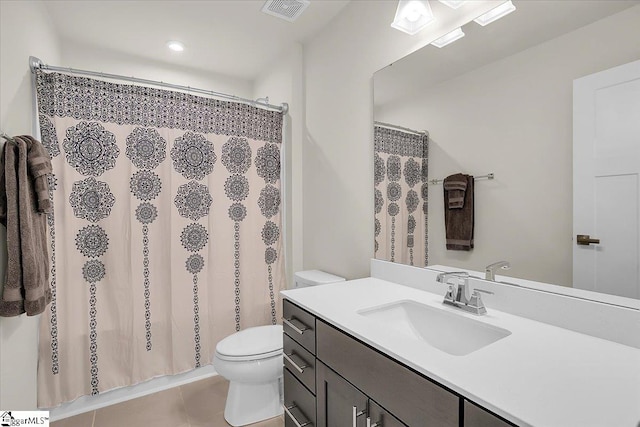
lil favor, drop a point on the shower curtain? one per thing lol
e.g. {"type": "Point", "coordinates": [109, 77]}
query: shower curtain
{"type": "Point", "coordinates": [166, 232]}
{"type": "Point", "coordinates": [401, 196]}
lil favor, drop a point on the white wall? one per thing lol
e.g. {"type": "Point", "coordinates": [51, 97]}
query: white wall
{"type": "Point", "coordinates": [80, 56]}
{"type": "Point", "coordinates": [514, 118]}
{"type": "Point", "coordinates": [338, 144]}
{"type": "Point", "coordinates": [19, 335]}
{"type": "Point", "coordinates": [282, 82]}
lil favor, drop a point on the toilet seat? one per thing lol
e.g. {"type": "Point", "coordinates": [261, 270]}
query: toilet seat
{"type": "Point", "coordinates": [261, 342]}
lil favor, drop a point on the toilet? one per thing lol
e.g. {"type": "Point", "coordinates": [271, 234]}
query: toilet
{"type": "Point", "coordinates": [252, 362]}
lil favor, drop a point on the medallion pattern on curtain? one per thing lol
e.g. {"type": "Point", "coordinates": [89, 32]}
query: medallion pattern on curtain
{"type": "Point", "coordinates": [401, 196]}
{"type": "Point", "coordinates": [161, 200]}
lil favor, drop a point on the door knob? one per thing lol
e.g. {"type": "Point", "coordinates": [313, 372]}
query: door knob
{"type": "Point", "coordinates": [585, 239]}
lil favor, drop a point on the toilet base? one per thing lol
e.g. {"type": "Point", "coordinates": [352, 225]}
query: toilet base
{"type": "Point", "coordinates": [251, 403]}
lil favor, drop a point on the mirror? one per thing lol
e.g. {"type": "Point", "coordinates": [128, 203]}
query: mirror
{"type": "Point", "coordinates": [500, 101]}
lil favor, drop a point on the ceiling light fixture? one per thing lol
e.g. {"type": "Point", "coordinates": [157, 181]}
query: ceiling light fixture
{"type": "Point", "coordinates": [453, 4]}
{"type": "Point", "coordinates": [175, 46]}
{"type": "Point", "coordinates": [496, 13]}
{"type": "Point", "coordinates": [412, 16]}
{"type": "Point", "coordinates": [448, 38]}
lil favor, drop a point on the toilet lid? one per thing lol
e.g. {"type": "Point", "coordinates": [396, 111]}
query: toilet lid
{"type": "Point", "coordinates": [262, 341]}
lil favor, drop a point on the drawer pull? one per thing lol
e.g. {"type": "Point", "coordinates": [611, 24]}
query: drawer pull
{"type": "Point", "coordinates": [356, 414]}
{"type": "Point", "coordinates": [288, 409]}
{"type": "Point", "coordinates": [289, 322]}
{"type": "Point", "coordinates": [288, 358]}
{"type": "Point", "coordinates": [376, 424]}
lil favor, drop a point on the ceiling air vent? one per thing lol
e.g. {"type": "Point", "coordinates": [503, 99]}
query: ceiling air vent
{"type": "Point", "coordinates": [288, 10]}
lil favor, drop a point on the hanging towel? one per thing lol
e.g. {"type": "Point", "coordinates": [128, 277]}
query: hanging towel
{"type": "Point", "coordinates": [456, 186]}
{"type": "Point", "coordinates": [458, 211]}
{"type": "Point", "coordinates": [24, 200]}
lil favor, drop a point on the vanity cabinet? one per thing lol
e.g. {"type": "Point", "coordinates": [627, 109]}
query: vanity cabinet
{"type": "Point", "coordinates": [341, 404]}
{"type": "Point", "coordinates": [475, 416]}
{"type": "Point", "coordinates": [333, 380]}
{"type": "Point", "coordinates": [413, 399]}
{"type": "Point", "coordinates": [299, 348]}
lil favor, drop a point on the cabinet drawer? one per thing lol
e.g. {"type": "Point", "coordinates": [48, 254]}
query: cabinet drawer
{"type": "Point", "coordinates": [415, 400]}
{"type": "Point", "coordinates": [299, 325]}
{"type": "Point", "coordinates": [299, 402]}
{"type": "Point", "coordinates": [475, 416]}
{"type": "Point", "coordinates": [300, 362]}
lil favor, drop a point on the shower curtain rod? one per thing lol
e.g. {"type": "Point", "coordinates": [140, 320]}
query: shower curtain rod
{"type": "Point", "coordinates": [390, 126]}
{"type": "Point", "coordinates": [37, 64]}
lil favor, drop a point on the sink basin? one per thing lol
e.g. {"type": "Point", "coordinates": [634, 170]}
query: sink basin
{"type": "Point", "coordinates": [450, 332]}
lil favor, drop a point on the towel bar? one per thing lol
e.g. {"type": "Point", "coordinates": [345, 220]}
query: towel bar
{"type": "Point", "coordinates": [487, 176]}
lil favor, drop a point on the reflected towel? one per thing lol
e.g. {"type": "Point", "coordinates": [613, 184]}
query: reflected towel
{"type": "Point", "coordinates": [459, 214]}
{"type": "Point", "coordinates": [456, 186]}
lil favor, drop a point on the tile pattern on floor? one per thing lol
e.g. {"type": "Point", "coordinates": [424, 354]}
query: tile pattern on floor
{"type": "Point", "coordinates": [197, 404]}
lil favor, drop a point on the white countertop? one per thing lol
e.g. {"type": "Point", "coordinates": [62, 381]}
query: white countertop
{"type": "Point", "coordinates": [540, 375]}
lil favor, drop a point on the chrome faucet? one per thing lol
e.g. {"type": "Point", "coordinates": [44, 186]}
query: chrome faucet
{"type": "Point", "coordinates": [490, 270]}
{"type": "Point", "coordinates": [457, 294]}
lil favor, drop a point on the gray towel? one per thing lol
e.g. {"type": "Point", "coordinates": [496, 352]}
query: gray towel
{"type": "Point", "coordinates": [456, 186]}
{"type": "Point", "coordinates": [459, 215]}
{"type": "Point", "coordinates": [24, 198]}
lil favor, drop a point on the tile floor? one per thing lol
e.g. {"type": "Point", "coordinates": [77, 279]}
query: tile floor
{"type": "Point", "coordinates": [197, 404]}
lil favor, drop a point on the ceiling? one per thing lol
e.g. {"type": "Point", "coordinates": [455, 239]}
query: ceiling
{"type": "Point", "coordinates": [230, 37]}
{"type": "Point", "coordinates": [532, 23]}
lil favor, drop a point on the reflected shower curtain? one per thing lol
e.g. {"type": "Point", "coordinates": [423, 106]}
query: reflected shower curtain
{"type": "Point", "coordinates": [401, 196]}
{"type": "Point", "coordinates": [166, 231]}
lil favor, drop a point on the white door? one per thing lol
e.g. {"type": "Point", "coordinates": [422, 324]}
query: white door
{"type": "Point", "coordinates": [606, 181]}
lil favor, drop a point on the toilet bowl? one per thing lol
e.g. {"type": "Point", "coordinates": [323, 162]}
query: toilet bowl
{"type": "Point", "coordinates": [252, 362]}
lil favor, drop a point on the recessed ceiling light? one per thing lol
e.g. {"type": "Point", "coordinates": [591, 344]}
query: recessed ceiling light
{"type": "Point", "coordinates": [496, 13]}
{"type": "Point", "coordinates": [448, 38]}
{"type": "Point", "coordinates": [175, 46]}
{"type": "Point", "coordinates": [412, 16]}
{"type": "Point", "coordinates": [453, 4]}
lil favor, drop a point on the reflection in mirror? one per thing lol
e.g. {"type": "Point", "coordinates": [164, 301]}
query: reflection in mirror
{"type": "Point", "coordinates": [400, 172]}
{"type": "Point", "coordinates": [501, 100]}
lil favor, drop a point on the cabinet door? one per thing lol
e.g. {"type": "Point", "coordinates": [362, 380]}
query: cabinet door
{"type": "Point", "coordinates": [415, 400]}
{"type": "Point", "coordinates": [381, 418]}
{"type": "Point", "coordinates": [336, 400]}
{"type": "Point", "coordinates": [474, 416]}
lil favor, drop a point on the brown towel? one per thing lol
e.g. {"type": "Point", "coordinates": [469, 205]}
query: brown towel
{"type": "Point", "coordinates": [456, 190]}
{"type": "Point", "coordinates": [24, 197]}
{"type": "Point", "coordinates": [458, 216]}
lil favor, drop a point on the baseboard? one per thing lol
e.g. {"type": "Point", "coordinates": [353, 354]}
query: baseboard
{"type": "Point", "coordinates": [118, 395]}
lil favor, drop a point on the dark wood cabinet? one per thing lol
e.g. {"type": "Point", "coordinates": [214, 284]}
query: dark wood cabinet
{"type": "Point", "coordinates": [475, 416]}
{"type": "Point", "coordinates": [332, 379]}
{"type": "Point", "coordinates": [299, 348]}
{"type": "Point", "coordinates": [299, 402]}
{"type": "Point", "coordinates": [339, 403]}
{"type": "Point", "coordinates": [299, 325]}
{"type": "Point", "coordinates": [412, 398]}
{"type": "Point", "coordinates": [381, 418]}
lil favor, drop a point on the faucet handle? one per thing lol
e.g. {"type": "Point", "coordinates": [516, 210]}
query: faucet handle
{"type": "Point", "coordinates": [449, 296]}
{"type": "Point", "coordinates": [475, 302]}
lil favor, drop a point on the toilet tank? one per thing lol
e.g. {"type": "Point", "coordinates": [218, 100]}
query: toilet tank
{"type": "Point", "coordinates": [302, 279]}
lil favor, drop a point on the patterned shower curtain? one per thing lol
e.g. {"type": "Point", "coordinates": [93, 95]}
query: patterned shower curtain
{"type": "Point", "coordinates": [401, 196]}
{"type": "Point", "coordinates": [166, 231]}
